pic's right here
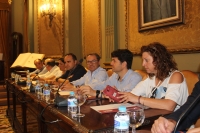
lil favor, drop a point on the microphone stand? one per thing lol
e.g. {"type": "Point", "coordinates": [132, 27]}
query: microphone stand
{"type": "Point", "coordinates": [185, 113]}
{"type": "Point", "coordinates": [61, 85]}
{"type": "Point", "coordinates": [41, 114]}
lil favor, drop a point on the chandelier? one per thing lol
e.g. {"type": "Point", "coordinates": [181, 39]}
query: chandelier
{"type": "Point", "coordinates": [48, 8]}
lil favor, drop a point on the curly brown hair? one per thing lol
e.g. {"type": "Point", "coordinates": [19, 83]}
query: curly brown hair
{"type": "Point", "coordinates": [163, 60]}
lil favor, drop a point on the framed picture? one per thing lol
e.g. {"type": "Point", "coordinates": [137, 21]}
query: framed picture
{"type": "Point", "coordinates": [158, 13]}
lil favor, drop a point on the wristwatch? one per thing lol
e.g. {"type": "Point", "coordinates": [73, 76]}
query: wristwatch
{"type": "Point", "coordinates": [57, 79]}
{"type": "Point", "coordinates": [97, 93]}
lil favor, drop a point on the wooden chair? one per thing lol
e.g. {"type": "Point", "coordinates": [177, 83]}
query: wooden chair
{"type": "Point", "coordinates": [109, 72]}
{"type": "Point", "coordinates": [142, 73]}
{"type": "Point", "coordinates": [191, 79]}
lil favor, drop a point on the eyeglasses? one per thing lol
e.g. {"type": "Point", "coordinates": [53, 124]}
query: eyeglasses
{"type": "Point", "coordinates": [91, 62]}
{"type": "Point", "coordinates": [153, 92]}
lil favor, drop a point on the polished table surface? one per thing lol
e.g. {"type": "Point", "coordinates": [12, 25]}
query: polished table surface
{"type": "Point", "coordinates": [91, 122]}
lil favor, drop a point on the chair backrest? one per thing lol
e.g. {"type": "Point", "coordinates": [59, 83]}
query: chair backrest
{"type": "Point", "coordinates": [142, 73]}
{"type": "Point", "coordinates": [109, 72]}
{"type": "Point", "coordinates": [191, 79]}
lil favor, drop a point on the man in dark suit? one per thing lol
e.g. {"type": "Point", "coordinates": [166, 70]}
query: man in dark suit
{"type": "Point", "coordinates": [158, 9]}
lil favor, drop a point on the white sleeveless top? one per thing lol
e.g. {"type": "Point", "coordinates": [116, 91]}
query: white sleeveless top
{"type": "Point", "coordinates": [175, 92]}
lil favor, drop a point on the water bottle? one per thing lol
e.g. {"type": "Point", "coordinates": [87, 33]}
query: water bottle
{"type": "Point", "coordinates": [121, 121]}
{"type": "Point", "coordinates": [27, 74]}
{"type": "Point", "coordinates": [46, 93]}
{"type": "Point", "coordinates": [72, 107]}
{"type": "Point", "coordinates": [28, 83]}
{"type": "Point", "coordinates": [38, 89]}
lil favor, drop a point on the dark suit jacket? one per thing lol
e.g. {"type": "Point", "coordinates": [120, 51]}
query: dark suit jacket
{"type": "Point", "coordinates": [77, 73]}
{"type": "Point", "coordinates": [158, 9]}
{"type": "Point", "coordinates": [194, 113]}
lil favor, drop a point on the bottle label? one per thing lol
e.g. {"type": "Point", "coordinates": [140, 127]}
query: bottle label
{"type": "Point", "coordinates": [46, 92]}
{"type": "Point", "coordinates": [121, 123]}
{"type": "Point", "coordinates": [71, 102]}
{"type": "Point", "coordinates": [37, 87]}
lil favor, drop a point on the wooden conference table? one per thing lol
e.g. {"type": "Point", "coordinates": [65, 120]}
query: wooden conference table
{"type": "Point", "coordinates": [24, 109]}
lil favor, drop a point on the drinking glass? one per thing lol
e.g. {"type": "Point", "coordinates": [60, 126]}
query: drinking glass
{"type": "Point", "coordinates": [16, 78]}
{"type": "Point", "coordinates": [54, 89]}
{"type": "Point", "coordinates": [137, 117]}
{"type": "Point", "coordinates": [80, 101]}
{"type": "Point", "coordinates": [21, 79]}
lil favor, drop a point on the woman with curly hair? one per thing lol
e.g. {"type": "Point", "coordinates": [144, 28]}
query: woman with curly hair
{"type": "Point", "coordinates": [165, 87]}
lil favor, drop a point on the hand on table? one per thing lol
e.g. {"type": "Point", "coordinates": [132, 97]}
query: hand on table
{"type": "Point", "coordinates": [163, 125]}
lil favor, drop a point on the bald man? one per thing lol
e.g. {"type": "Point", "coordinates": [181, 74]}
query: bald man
{"type": "Point", "coordinates": [53, 70]}
{"type": "Point", "coordinates": [40, 68]}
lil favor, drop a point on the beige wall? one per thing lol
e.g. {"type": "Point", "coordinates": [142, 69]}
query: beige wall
{"type": "Point", "coordinates": [184, 62]}
{"type": "Point", "coordinates": [94, 31]}
{"type": "Point", "coordinates": [177, 37]}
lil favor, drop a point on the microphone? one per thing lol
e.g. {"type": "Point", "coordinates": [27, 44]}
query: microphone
{"type": "Point", "coordinates": [60, 101]}
{"type": "Point", "coordinates": [185, 113]}
{"type": "Point", "coordinates": [63, 83]}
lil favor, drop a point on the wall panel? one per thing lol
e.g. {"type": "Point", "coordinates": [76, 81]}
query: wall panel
{"type": "Point", "coordinates": [91, 26]}
{"type": "Point", "coordinates": [177, 38]}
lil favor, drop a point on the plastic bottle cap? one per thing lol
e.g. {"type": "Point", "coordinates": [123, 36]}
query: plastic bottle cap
{"type": "Point", "coordinates": [71, 93]}
{"type": "Point", "coordinates": [122, 108]}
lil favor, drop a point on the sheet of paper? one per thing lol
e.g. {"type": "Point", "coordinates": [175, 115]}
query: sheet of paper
{"type": "Point", "coordinates": [110, 107]}
{"type": "Point", "coordinates": [63, 93]}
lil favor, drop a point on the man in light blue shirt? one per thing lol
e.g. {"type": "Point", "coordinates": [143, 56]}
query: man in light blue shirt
{"type": "Point", "coordinates": [94, 75]}
{"type": "Point", "coordinates": [41, 69]}
{"type": "Point", "coordinates": [123, 78]}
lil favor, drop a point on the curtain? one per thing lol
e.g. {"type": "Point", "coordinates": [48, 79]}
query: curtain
{"type": "Point", "coordinates": [26, 45]}
{"type": "Point", "coordinates": [4, 36]}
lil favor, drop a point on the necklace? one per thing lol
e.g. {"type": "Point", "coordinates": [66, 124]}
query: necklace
{"type": "Point", "coordinates": [154, 89]}
{"type": "Point", "coordinates": [158, 83]}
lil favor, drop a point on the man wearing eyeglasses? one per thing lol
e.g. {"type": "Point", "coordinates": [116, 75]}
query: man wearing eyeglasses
{"type": "Point", "coordinates": [123, 78]}
{"type": "Point", "coordinates": [94, 75]}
